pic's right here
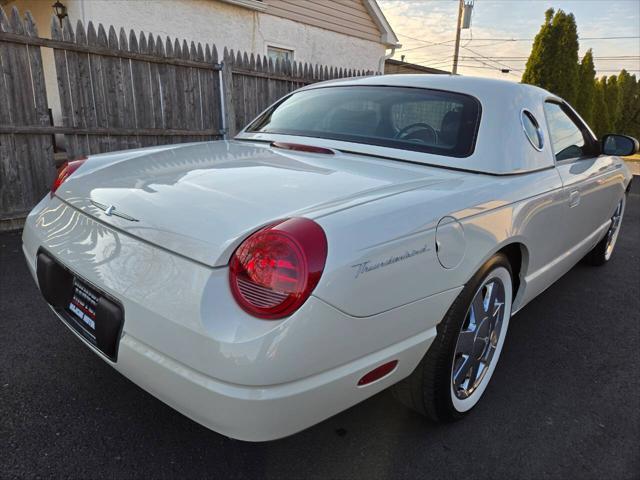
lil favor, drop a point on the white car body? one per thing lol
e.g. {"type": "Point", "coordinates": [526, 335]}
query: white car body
{"type": "Point", "coordinates": [405, 231]}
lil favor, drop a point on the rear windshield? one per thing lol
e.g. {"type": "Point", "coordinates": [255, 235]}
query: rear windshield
{"type": "Point", "coordinates": [433, 121]}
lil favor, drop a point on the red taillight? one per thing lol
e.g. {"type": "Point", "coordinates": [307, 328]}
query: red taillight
{"type": "Point", "coordinates": [273, 272]}
{"type": "Point", "coordinates": [65, 172]}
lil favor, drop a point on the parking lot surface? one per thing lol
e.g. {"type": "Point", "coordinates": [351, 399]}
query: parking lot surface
{"type": "Point", "coordinates": [564, 401]}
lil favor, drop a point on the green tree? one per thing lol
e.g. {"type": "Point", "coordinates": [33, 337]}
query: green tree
{"type": "Point", "coordinates": [600, 111]}
{"type": "Point", "coordinates": [538, 69]}
{"type": "Point", "coordinates": [553, 62]}
{"type": "Point", "coordinates": [629, 108]}
{"type": "Point", "coordinates": [613, 99]}
{"type": "Point", "coordinates": [635, 119]}
{"type": "Point", "coordinates": [586, 87]}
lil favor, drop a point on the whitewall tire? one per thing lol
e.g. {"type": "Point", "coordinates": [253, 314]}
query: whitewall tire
{"type": "Point", "coordinates": [455, 372]}
{"type": "Point", "coordinates": [603, 251]}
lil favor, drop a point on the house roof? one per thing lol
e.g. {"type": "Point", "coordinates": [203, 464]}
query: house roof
{"type": "Point", "coordinates": [388, 36]}
{"type": "Point", "coordinates": [412, 67]}
{"type": "Point", "coordinates": [318, 10]}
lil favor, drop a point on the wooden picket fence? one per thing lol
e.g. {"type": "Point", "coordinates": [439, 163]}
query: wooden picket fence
{"type": "Point", "coordinates": [122, 90]}
{"type": "Point", "coordinates": [26, 160]}
{"type": "Point", "coordinates": [258, 82]}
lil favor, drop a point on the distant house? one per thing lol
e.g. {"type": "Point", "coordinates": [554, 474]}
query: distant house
{"type": "Point", "coordinates": [392, 66]}
{"type": "Point", "coordinates": [342, 33]}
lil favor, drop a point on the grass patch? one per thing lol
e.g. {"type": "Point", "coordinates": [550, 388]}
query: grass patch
{"type": "Point", "coordinates": [633, 158]}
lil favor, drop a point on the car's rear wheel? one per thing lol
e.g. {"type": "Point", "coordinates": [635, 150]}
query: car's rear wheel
{"type": "Point", "coordinates": [603, 251]}
{"type": "Point", "coordinates": [453, 375]}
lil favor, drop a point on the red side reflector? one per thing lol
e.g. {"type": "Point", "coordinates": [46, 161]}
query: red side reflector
{"type": "Point", "coordinates": [378, 372]}
{"type": "Point", "coordinates": [302, 148]}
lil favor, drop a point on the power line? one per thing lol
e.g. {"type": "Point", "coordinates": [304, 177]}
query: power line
{"type": "Point", "coordinates": [447, 58]}
{"type": "Point", "coordinates": [484, 66]}
{"type": "Point", "coordinates": [500, 65]}
{"type": "Point", "coordinates": [496, 40]}
{"type": "Point", "coordinates": [506, 57]}
{"type": "Point", "coordinates": [523, 39]}
{"type": "Point", "coordinates": [514, 58]}
{"type": "Point", "coordinates": [430, 44]}
{"type": "Point", "coordinates": [488, 68]}
{"type": "Point", "coordinates": [444, 61]}
{"type": "Point", "coordinates": [504, 65]}
{"type": "Point", "coordinates": [579, 38]}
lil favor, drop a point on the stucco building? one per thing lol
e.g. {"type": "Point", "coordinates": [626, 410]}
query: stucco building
{"type": "Point", "coordinates": [342, 33]}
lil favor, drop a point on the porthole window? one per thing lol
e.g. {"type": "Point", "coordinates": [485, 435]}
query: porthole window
{"type": "Point", "coordinates": [532, 129]}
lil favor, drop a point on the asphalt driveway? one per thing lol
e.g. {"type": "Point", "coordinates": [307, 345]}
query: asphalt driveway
{"type": "Point", "coordinates": [564, 401]}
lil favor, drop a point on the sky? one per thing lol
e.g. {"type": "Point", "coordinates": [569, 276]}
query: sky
{"type": "Point", "coordinates": [502, 33]}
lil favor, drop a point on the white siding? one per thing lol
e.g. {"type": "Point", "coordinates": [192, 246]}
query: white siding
{"type": "Point", "coordinates": [343, 16]}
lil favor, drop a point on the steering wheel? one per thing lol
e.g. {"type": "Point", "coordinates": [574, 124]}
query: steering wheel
{"type": "Point", "coordinates": [425, 133]}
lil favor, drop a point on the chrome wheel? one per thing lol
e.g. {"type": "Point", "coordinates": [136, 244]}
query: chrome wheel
{"type": "Point", "coordinates": [453, 375]}
{"type": "Point", "coordinates": [478, 339]}
{"type": "Point", "coordinates": [614, 229]}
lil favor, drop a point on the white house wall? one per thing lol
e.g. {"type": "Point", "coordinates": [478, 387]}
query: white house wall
{"type": "Point", "coordinates": [232, 26]}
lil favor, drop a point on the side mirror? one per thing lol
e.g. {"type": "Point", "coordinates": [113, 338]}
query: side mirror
{"type": "Point", "coordinates": [619, 145]}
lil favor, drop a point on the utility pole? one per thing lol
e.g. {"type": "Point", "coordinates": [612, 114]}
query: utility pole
{"type": "Point", "coordinates": [465, 7]}
{"type": "Point", "coordinates": [457, 47]}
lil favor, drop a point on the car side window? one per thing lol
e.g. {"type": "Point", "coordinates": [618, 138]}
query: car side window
{"type": "Point", "coordinates": [532, 129]}
{"type": "Point", "coordinates": [567, 138]}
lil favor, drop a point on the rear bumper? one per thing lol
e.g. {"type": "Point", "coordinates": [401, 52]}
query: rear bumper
{"type": "Point", "coordinates": [262, 413]}
{"type": "Point", "coordinates": [192, 348]}
{"type": "Point", "coordinates": [258, 413]}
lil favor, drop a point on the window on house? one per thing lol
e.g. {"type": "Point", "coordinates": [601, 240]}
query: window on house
{"type": "Point", "coordinates": [277, 53]}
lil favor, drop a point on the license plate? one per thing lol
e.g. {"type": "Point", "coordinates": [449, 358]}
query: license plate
{"type": "Point", "coordinates": [93, 314]}
{"type": "Point", "coordinates": [82, 306]}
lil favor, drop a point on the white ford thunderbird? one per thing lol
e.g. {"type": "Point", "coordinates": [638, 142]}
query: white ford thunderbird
{"type": "Point", "coordinates": [359, 234]}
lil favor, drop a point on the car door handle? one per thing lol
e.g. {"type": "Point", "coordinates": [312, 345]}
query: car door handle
{"type": "Point", "coordinates": [574, 198]}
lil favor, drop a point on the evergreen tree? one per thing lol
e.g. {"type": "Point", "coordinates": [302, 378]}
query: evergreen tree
{"type": "Point", "coordinates": [609, 105]}
{"type": "Point", "coordinates": [634, 109]}
{"type": "Point", "coordinates": [600, 111]}
{"type": "Point", "coordinates": [553, 63]}
{"type": "Point", "coordinates": [635, 119]}
{"type": "Point", "coordinates": [538, 69]}
{"type": "Point", "coordinates": [586, 88]}
{"type": "Point", "coordinates": [628, 103]}
{"type": "Point", "coordinates": [613, 99]}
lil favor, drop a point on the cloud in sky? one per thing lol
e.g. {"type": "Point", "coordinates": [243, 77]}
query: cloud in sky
{"type": "Point", "coordinates": [420, 23]}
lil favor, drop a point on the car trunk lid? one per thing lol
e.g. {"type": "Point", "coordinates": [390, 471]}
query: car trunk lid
{"type": "Point", "coordinates": [200, 200]}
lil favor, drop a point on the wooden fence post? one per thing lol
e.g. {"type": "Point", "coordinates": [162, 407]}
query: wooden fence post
{"type": "Point", "coordinates": [226, 88]}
